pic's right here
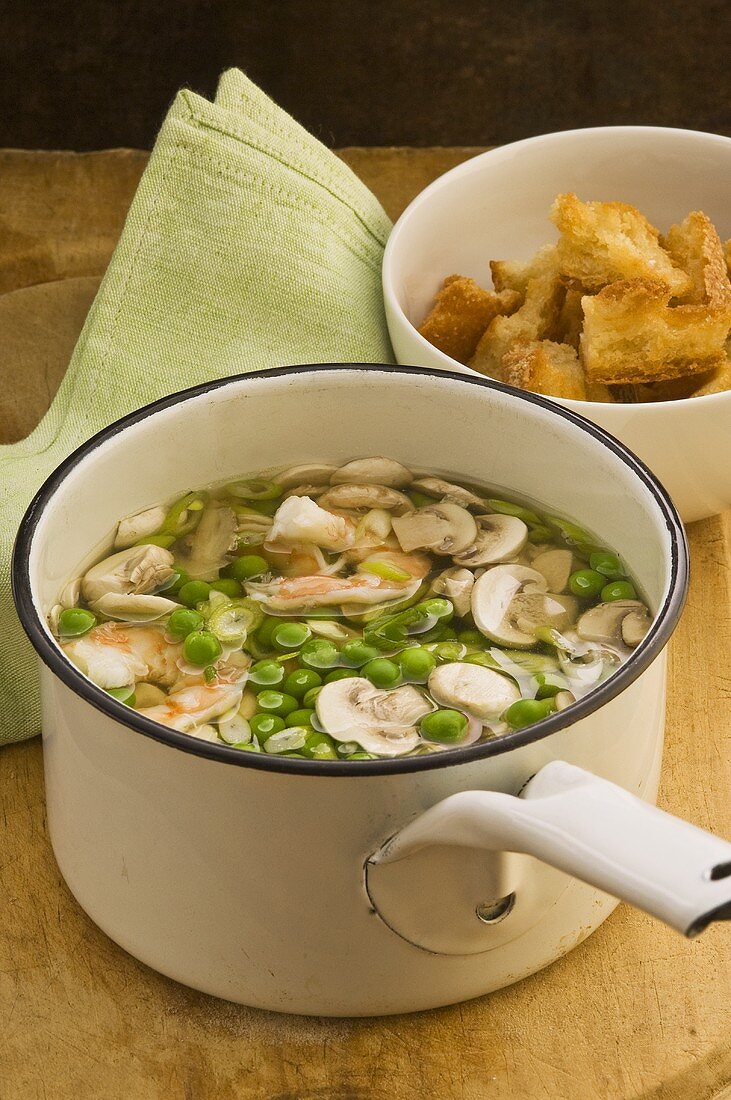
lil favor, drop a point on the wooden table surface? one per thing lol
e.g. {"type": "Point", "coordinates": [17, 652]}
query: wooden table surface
{"type": "Point", "coordinates": [635, 1011]}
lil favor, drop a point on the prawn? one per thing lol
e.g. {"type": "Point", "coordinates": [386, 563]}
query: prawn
{"type": "Point", "coordinates": [116, 655]}
{"type": "Point", "coordinates": [194, 706]}
{"type": "Point", "coordinates": [299, 593]}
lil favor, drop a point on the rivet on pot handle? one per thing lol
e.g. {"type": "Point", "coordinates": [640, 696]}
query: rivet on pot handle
{"type": "Point", "coordinates": [595, 831]}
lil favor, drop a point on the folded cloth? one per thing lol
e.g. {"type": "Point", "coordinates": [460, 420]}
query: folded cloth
{"type": "Point", "coordinates": [248, 245]}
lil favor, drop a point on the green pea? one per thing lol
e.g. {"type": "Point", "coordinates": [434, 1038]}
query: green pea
{"type": "Point", "coordinates": [357, 653]}
{"type": "Point", "coordinates": [586, 583]}
{"type": "Point", "coordinates": [124, 694]}
{"type": "Point", "coordinates": [441, 609]}
{"type": "Point", "coordinates": [75, 621]}
{"type": "Point", "coordinates": [319, 653]}
{"type": "Point", "coordinates": [228, 586]}
{"type": "Point", "coordinates": [194, 592]}
{"type": "Point", "coordinates": [316, 749]}
{"type": "Point", "coordinates": [471, 637]}
{"type": "Point", "coordinates": [310, 697]}
{"type": "Point", "coordinates": [300, 682]}
{"type": "Point", "coordinates": [184, 621]}
{"type": "Point", "coordinates": [265, 674]}
{"type": "Point", "coordinates": [291, 635]}
{"type": "Point", "coordinates": [264, 725]}
{"type": "Point", "coordinates": [300, 717]}
{"type": "Point", "coordinates": [618, 590]}
{"type": "Point", "coordinates": [382, 673]}
{"type": "Point", "coordinates": [447, 727]}
{"type": "Point", "coordinates": [527, 711]}
{"type": "Point", "coordinates": [202, 648]}
{"type": "Point", "coordinates": [180, 578]}
{"type": "Point", "coordinates": [340, 674]}
{"type": "Point", "coordinates": [416, 664]}
{"type": "Point", "coordinates": [246, 567]}
{"type": "Point", "coordinates": [276, 702]}
{"type": "Point", "coordinates": [265, 630]}
{"type": "Point", "coordinates": [449, 651]}
{"type": "Point", "coordinates": [608, 564]}
{"type": "Point", "coordinates": [507, 508]}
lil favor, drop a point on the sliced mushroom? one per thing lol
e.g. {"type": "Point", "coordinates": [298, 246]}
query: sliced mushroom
{"type": "Point", "coordinates": [138, 570]}
{"type": "Point", "coordinates": [499, 538]}
{"type": "Point", "coordinates": [130, 608]}
{"type": "Point", "coordinates": [444, 528]}
{"type": "Point", "coordinates": [208, 545]}
{"type": "Point", "coordinates": [373, 471]}
{"type": "Point", "coordinates": [311, 473]}
{"type": "Point", "coordinates": [299, 519]}
{"type": "Point", "coordinates": [141, 525]}
{"type": "Point", "coordinates": [447, 490]}
{"type": "Point", "coordinates": [556, 566]}
{"type": "Point", "coordinates": [70, 593]}
{"type": "Point", "coordinates": [614, 623]}
{"type": "Point", "coordinates": [357, 496]}
{"type": "Point", "coordinates": [510, 603]}
{"type": "Point", "coordinates": [456, 585]}
{"type": "Point", "coordinates": [479, 692]}
{"type": "Point", "coordinates": [309, 489]}
{"type": "Point", "coordinates": [383, 722]}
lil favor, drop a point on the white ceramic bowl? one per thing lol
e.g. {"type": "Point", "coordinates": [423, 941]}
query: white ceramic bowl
{"type": "Point", "coordinates": [496, 206]}
{"type": "Point", "coordinates": [265, 879]}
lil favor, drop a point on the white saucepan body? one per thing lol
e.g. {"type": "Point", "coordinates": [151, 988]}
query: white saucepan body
{"type": "Point", "coordinates": [247, 876]}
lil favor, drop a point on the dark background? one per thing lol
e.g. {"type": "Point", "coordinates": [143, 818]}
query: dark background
{"type": "Point", "coordinates": [100, 73]}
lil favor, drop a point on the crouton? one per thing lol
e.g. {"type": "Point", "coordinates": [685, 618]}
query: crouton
{"type": "Point", "coordinates": [461, 313]}
{"type": "Point", "coordinates": [695, 246]}
{"type": "Point", "coordinates": [514, 275]}
{"type": "Point", "coordinates": [678, 389]}
{"type": "Point", "coordinates": [545, 367]}
{"type": "Point", "coordinates": [602, 242]}
{"type": "Point", "coordinates": [727, 254]}
{"type": "Point", "coordinates": [716, 382]}
{"type": "Point", "coordinates": [536, 319]}
{"type": "Point", "coordinates": [571, 318]}
{"type": "Point", "coordinates": [632, 335]}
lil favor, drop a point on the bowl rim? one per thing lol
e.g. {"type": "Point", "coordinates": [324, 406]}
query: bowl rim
{"type": "Point", "coordinates": [471, 164]}
{"type": "Point", "coordinates": [53, 657]}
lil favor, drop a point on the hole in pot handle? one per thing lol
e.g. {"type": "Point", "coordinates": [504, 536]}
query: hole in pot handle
{"type": "Point", "coordinates": [593, 830]}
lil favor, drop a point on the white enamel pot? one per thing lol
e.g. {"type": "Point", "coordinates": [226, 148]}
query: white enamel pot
{"type": "Point", "coordinates": [378, 886]}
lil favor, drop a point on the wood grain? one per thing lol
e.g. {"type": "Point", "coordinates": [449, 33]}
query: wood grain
{"type": "Point", "coordinates": [635, 1011]}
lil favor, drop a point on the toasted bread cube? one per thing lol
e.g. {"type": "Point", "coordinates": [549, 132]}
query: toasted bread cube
{"type": "Point", "coordinates": [678, 389]}
{"type": "Point", "coordinates": [513, 275]}
{"type": "Point", "coordinates": [537, 319]}
{"type": "Point", "coordinates": [727, 254]}
{"type": "Point", "coordinates": [545, 367]}
{"type": "Point", "coordinates": [695, 246]}
{"type": "Point", "coordinates": [461, 313]}
{"type": "Point", "coordinates": [602, 242]}
{"type": "Point", "coordinates": [632, 335]}
{"type": "Point", "coordinates": [571, 318]}
{"type": "Point", "coordinates": [716, 382]}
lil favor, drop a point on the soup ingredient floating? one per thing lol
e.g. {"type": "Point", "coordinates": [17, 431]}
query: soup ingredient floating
{"type": "Point", "coordinates": [611, 312]}
{"type": "Point", "coordinates": [356, 612]}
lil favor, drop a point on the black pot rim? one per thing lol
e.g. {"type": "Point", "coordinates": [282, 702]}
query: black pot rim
{"type": "Point", "coordinates": [54, 658]}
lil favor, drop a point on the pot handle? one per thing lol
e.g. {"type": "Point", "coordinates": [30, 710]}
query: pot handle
{"type": "Point", "coordinates": [595, 831]}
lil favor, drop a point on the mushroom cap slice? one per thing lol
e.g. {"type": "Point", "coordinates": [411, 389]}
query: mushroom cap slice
{"type": "Point", "coordinates": [137, 570]}
{"type": "Point", "coordinates": [141, 525]}
{"type": "Point", "coordinates": [307, 473]}
{"type": "Point", "coordinates": [614, 623]}
{"type": "Point", "coordinates": [209, 544]}
{"type": "Point", "coordinates": [360, 496]}
{"type": "Point", "coordinates": [444, 528]}
{"type": "Point", "coordinates": [456, 584]}
{"type": "Point", "coordinates": [510, 604]}
{"type": "Point", "coordinates": [373, 471]}
{"type": "Point", "coordinates": [130, 608]}
{"type": "Point", "coordinates": [447, 490]}
{"type": "Point", "coordinates": [383, 722]}
{"type": "Point", "coordinates": [556, 566]}
{"type": "Point", "coordinates": [479, 692]}
{"type": "Point", "coordinates": [499, 538]}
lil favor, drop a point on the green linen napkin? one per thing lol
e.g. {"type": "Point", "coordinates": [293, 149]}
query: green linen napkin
{"type": "Point", "coordinates": [248, 245]}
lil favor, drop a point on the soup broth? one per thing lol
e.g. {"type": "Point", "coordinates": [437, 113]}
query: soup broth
{"type": "Point", "coordinates": [355, 612]}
